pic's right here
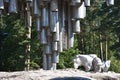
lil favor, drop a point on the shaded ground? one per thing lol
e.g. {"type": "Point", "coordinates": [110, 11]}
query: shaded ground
{"type": "Point", "coordinates": [68, 74]}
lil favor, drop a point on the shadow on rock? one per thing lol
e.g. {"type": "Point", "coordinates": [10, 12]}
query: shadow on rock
{"type": "Point", "coordinates": [70, 78]}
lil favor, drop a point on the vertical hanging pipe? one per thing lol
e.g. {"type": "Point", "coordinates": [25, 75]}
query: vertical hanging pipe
{"type": "Point", "coordinates": [13, 6]}
{"type": "Point", "coordinates": [70, 30]}
{"type": "Point", "coordinates": [61, 19]}
{"type": "Point", "coordinates": [44, 61]}
{"type": "Point", "coordinates": [1, 4]}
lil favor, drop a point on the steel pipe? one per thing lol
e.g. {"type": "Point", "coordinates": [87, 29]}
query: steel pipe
{"type": "Point", "coordinates": [56, 34]}
{"type": "Point", "coordinates": [49, 62]}
{"type": "Point", "coordinates": [54, 5]}
{"type": "Point", "coordinates": [1, 4]}
{"type": "Point", "coordinates": [38, 24]}
{"type": "Point", "coordinates": [49, 34]}
{"type": "Point", "coordinates": [43, 37]}
{"type": "Point", "coordinates": [79, 11]}
{"type": "Point", "coordinates": [87, 2]}
{"type": "Point", "coordinates": [111, 2]}
{"type": "Point", "coordinates": [13, 6]}
{"type": "Point", "coordinates": [45, 17]}
{"type": "Point", "coordinates": [55, 57]}
{"type": "Point", "coordinates": [48, 49]}
{"type": "Point", "coordinates": [55, 46]}
{"type": "Point", "coordinates": [75, 2]}
{"type": "Point", "coordinates": [76, 26]}
{"type": "Point", "coordinates": [45, 64]}
{"type": "Point", "coordinates": [29, 0]}
{"type": "Point", "coordinates": [35, 7]}
{"type": "Point", "coordinates": [54, 21]}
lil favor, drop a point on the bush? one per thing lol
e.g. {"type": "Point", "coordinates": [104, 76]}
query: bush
{"type": "Point", "coordinates": [66, 58]}
{"type": "Point", "coordinates": [115, 65]}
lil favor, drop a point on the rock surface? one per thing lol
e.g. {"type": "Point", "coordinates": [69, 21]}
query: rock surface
{"type": "Point", "coordinates": [66, 74]}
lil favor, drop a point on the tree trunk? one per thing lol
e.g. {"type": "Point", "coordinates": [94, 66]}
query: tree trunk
{"type": "Point", "coordinates": [101, 47]}
{"type": "Point", "coordinates": [28, 36]}
{"type": "Point", "coordinates": [106, 47]}
{"type": "Point", "coordinates": [83, 43]}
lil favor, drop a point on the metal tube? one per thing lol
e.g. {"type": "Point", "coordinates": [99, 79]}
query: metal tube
{"type": "Point", "coordinates": [44, 61]}
{"type": "Point", "coordinates": [38, 24]}
{"type": "Point", "coordinates": [45, 17]}
{"type": "Point", "coordinates": [13, 6]}
{"type": "Point", "coordinates": [75, 2]}
{"type": "Point", "coordinates": [87, 2]}
{"type": "Point", "coordinates": [56, 34]}
{"type": "Point", "coordinates": [54, 5]}
{"type": "Point", "coordinates": [1, 4]}
{"type": "Point", "coordinates": [29, 0]}
{"type": "Point", "coordinates": [49, 34]}
{"type": "Point", "coordinates": [70, 30]}
{"type": "Point", "coordinates": [55, 57]}
{"type": "Point", "coordinates": [53, 21]}
{"type": "Point", "coordinates": [76, 26]}
{"type": "Point", "coordinates": [48, 49]}
{"type": "Point", "coordinates": [111, 2]}
{"type": "Point", "coordinates": [35, 7]}
{"type": "Point", "coordinates": [55, 46]}
{"type": "Point", "coordinates": [43, 37]}
{"type": "Point", "coordinates": [49, 62]}
{"type": "Point", "coordinates": [79, 11]}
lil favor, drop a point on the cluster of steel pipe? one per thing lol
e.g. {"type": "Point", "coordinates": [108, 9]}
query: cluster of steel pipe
{"type": "Point", "coordinates": [56, 22]}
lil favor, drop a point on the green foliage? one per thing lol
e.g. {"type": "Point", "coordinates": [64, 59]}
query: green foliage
{"type": "Point", "coordinates": [12, 49]}
{"type": "Point", "coordinates": [34, 65]}
{"type": "Point", "coordinates": [115, 64]}
{"type": "Point", "coordinates": [67, 56]}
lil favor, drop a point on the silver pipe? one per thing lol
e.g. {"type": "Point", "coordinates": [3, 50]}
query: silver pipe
{"type": "Point", "coordinates": [55, 57]}
{"type": "Point", "coordinates": [53, 21]}
{"type": "Point", "coordinates": [45, 17]}
{"type": "Point", "coordinates": [43, 37]}
{"type": "Point", "coordinates": [35, 7]}
{"type": "Point", "coordinates": [1, 4]}
{"type": "Point", "coordinates": [44, 61]}
{"type": "Point", "coordinates": [55, 46]}
{"type": "Point", "coordinates": [111, 2]}
{"type": "Point", "coordinates": [56, 34]}
{"type": "Point", "coordinates": [87, 2]}
{"type": "Point", "coordinates": [54, 5]}
{"type": "Point", "coordinates": [29, 0]}
{"type": "Point", "coordinates": [38, 24]}
{"type": "Point", "coordinates": [54, 66]}
{"type": "Point", "coordinates": [76, 26]}
{"type": "Point", "coordinates": [48, 49]}
{"type": "Point", "coordinates": [49, 62]}
{"type": "Point", "coordinates": [75, 2]}
{"type": "Point", "coordinates": [49, 34]}
{"type": "Point", "coordinates": [70, 30]}
{"type": "Point", "coordinates": [13, 6]}
{"type": "Point", "coordinates": [79, 11]}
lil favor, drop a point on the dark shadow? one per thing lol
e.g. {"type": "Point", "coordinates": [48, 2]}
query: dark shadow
{"type": "Point", "coordinates": [70, 78]}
